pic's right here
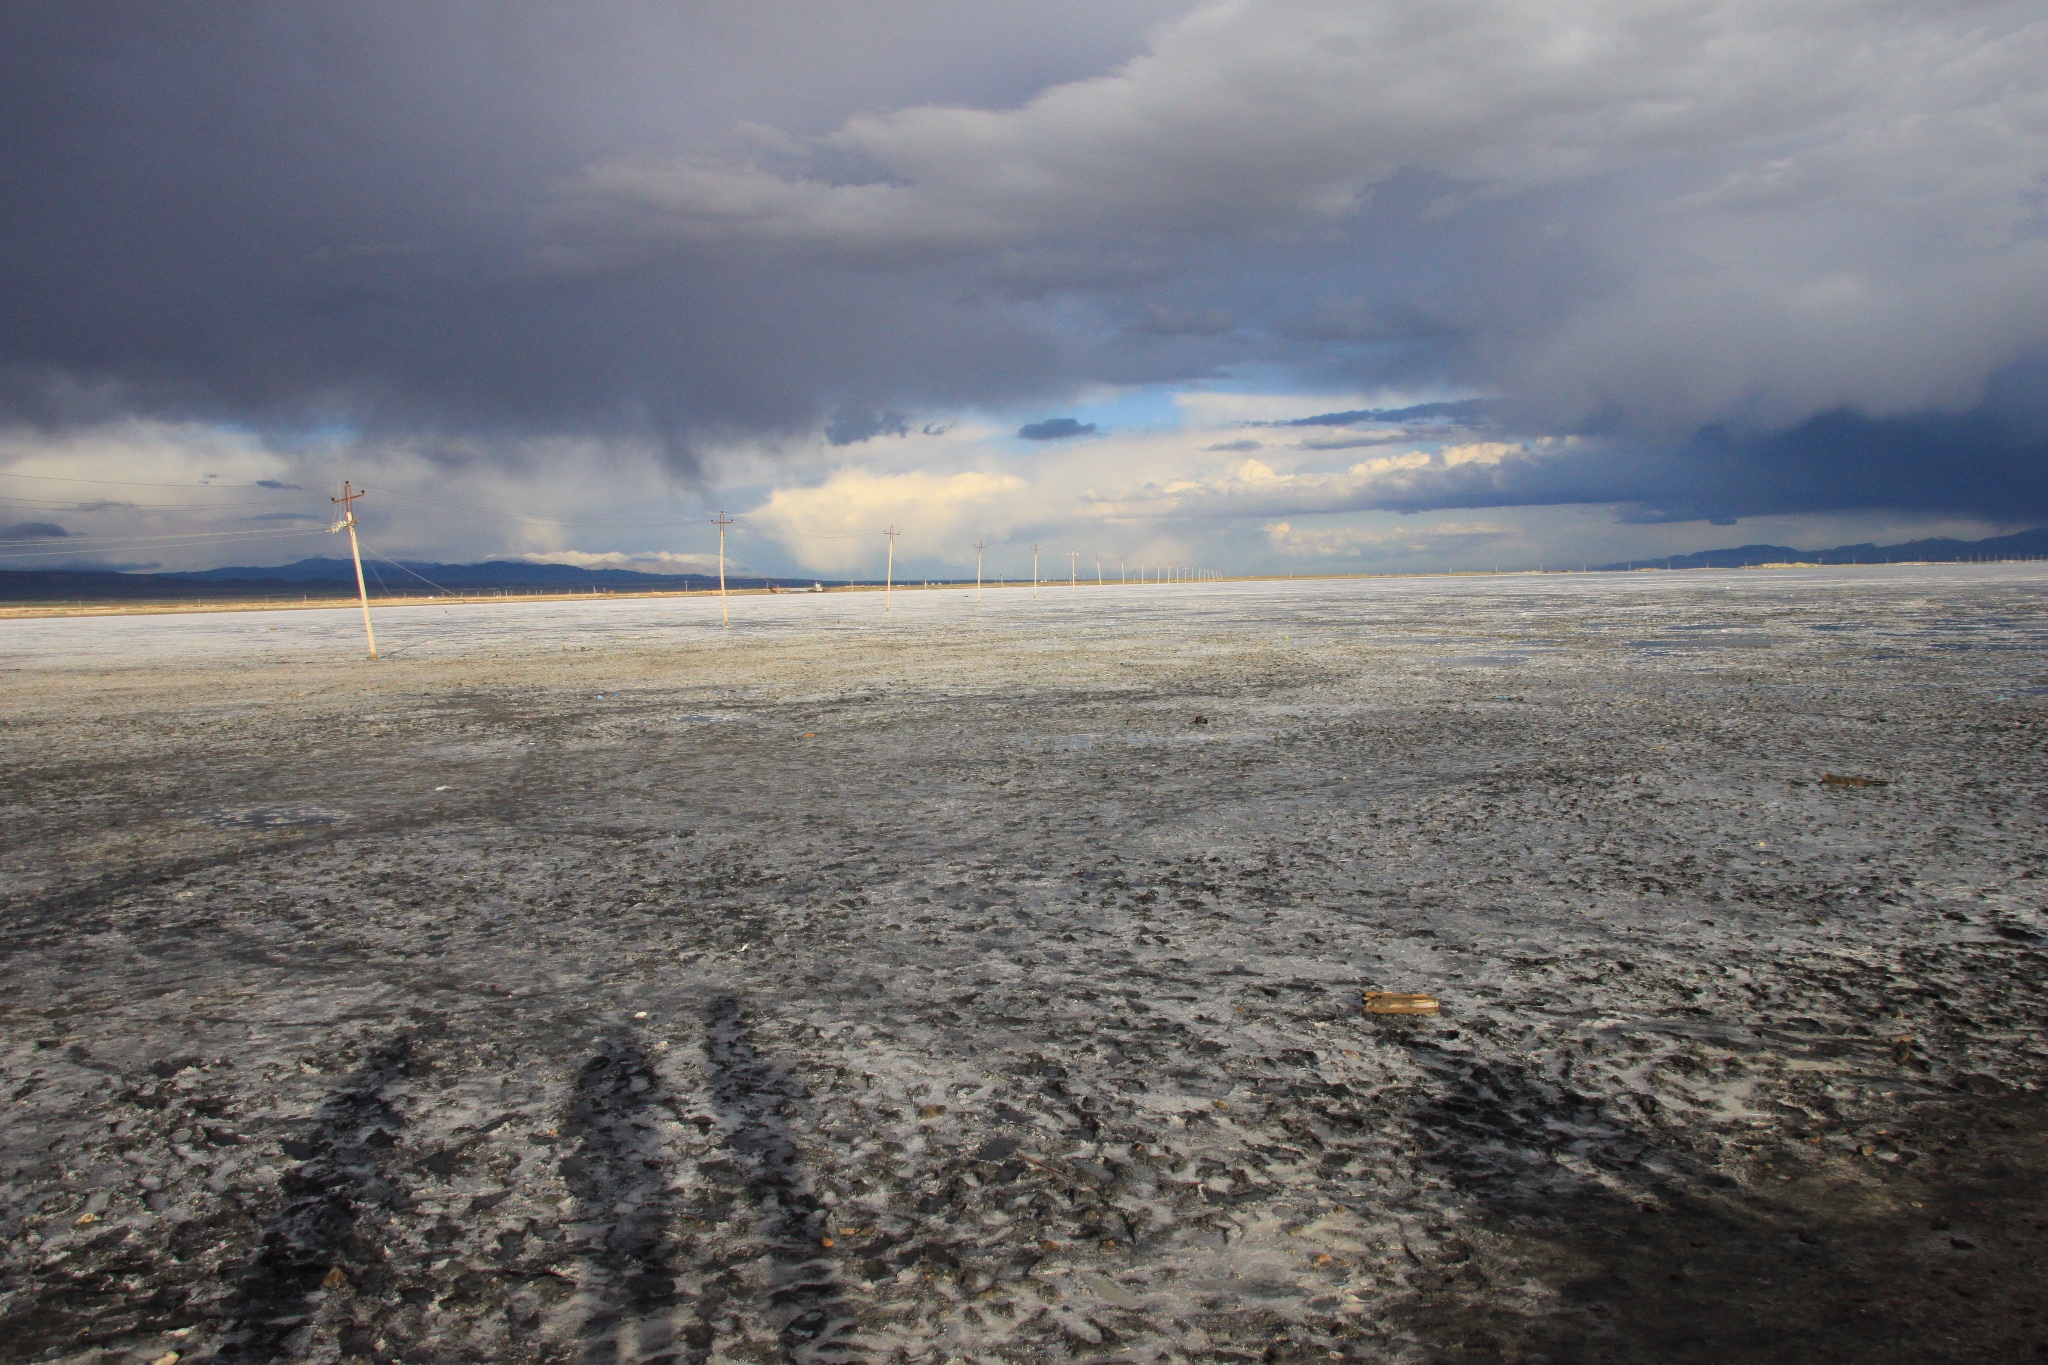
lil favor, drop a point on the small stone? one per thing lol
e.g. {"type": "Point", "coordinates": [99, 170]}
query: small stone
{"type": "Point", "coordinates": [1400, 1002]}
{"type": "Point", "coordinates": [826, 1242]}
{"type": "Point", "coordinates": [334, 1279]}
{"type": "Point", "coordinates": [930, 1111]}
{"type": "Point", "coordinates": [640, 1014]}
{"type": "Point", "coordinates": [167, 1358]}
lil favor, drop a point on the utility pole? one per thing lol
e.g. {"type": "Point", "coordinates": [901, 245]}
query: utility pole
{"type": "Point", "coordinates": [1073, 571]}
{"type": "Point", "coordinates": [889, 578]}
{"type": "Point", "coordinates": [1034, 571]}
{"type": "Point", "coordinates": [1098, 571]}
{"type": "Point", "coordinates": [721, 521]}
{"type": "Point", "coordinates": [348, 519]}
{"type": "Point", "coordinates": [1120, 577]}
{"type": "Point", "coordinates": [979, 548]}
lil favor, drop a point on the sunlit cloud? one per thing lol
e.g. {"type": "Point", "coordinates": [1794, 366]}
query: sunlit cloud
{"type": "Point", "coordinates": [838, 524]}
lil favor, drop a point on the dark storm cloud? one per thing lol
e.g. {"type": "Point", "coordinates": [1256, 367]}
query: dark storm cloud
{"type": "Point", "coordinates": [1161, 321]}
{"type": "Point", "coordinates": [1467, 411]}
{"type": "Point", "coordinates": [33, 530]}
{"type": "Point", "coordinates": [1056, 429]}
{"type": "Point", "coordinates": [1762, 256]}
{"type": "Point", "coordinates": [301, 214]}
{"type": "Point", "coordinates": [850, 426]}
{"type": "Point", "coordinates": [1990, 463]}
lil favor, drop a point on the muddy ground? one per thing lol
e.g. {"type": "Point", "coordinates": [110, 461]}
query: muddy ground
{"type": "Point", "coordinates": [982, 983]}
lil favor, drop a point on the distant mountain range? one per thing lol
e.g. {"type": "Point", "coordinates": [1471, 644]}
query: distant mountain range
{"type": "Point", "coordinates": [494, 573]}
{"type": "Point", "coordinates": [2021, 545]}
{"type": "Point", "coordinates": [337, 578]}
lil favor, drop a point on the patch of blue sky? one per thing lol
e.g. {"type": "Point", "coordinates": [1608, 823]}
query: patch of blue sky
{"type": "Point", "coordinates": [318, 436]}
{"type": "Point", "coordinates": [1158, 407]}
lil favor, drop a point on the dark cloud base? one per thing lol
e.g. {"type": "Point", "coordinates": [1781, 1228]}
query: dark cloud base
{"type": "Point", "coordinates": [1989, 463]}
{"type": "Point", "coordinates": [350, 217]}
{"type": "Point", "coordinates": [1055, 429]}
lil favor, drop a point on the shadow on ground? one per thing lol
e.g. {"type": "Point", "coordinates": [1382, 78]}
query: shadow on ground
{"type": "Point", "coordinates": [1651, 1259]}
{"type": "Point", "coordinates": [804, 1297]}
{"type": "Point", "coordinates": [315, 1233]}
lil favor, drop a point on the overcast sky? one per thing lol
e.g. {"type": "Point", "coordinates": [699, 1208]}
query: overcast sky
{"type": "Point", "coordinates": [1257, 285]}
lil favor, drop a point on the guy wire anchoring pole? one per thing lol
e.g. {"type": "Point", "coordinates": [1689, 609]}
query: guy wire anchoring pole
{"type": "Point", "coordinates": [1034, 571]}
{"type": "Point", "coordinates": [889, 578]}
{"type": "Point", "coordinates": [979, 547]}
{"type": "Point", "coordinates": [348, 519]}
{"type": "Point", "coordinates": [721, 521]}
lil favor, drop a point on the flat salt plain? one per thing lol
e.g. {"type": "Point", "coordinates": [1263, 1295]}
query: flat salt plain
{"type": "Point", "coordinates": [982, 982]}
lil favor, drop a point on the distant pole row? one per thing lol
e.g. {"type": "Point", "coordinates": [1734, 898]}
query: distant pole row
{"type": "Point", "coordinates": [1161, 573]}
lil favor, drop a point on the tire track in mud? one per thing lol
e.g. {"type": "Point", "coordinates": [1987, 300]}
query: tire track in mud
{"type": "Point", "coordinates": [342, 1174]}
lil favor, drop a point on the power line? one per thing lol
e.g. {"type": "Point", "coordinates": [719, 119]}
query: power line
{"type": "Point", "coordinates": [152, 542]}
{"type": "Point", "coordinates": [403, 567]}
{"type": "Point", "coordinates": [181, 535]}
{"type": "Point", "coordinates": [404, 496]}
{"type": "Point", "coordinates": [132, 483]}
{"type": "Point", "coordinates": [73, 505]}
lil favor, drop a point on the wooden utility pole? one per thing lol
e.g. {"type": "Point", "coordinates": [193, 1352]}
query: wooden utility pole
{"type": "Point", "coordinates": [721, 521]}
{"type": "Point", "coordinates": [1098, 571]}
{"type": "Point", "coordinates": [1120, 576]}
{"type": "Point", "coordinates": [979, 548]}
{"type": "Point", "coordinates": [1034, 571]}
{"type": "Point", "coordinates": [348, 519]}
{"type": "Point", "coordinates": [1073, 571]}
{"type": "Point", "coordinates": [889, 577]}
